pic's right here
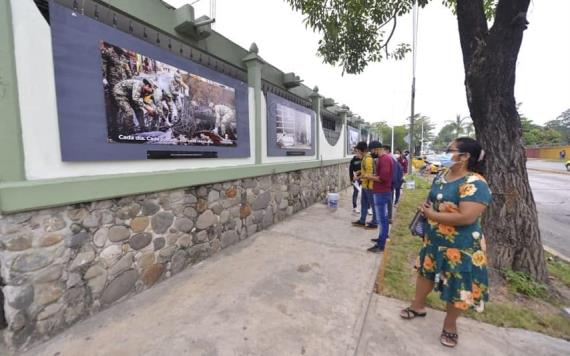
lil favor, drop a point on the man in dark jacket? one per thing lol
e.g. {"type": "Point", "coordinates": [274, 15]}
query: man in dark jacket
{"type": "Point", "coordinates": [397, 175]}
{"type": "Point", "coordinates": [354, 171]}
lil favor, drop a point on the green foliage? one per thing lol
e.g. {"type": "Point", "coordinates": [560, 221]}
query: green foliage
{"type": "Point", "coordinates": [444, 137]}
{"type": "Point", "coordinates": [355, 32]}
{"type": "Point", "coordinates": [559, 269]}
{"type": "Point", "coordinates": [428, 126]}
{"type": "Point", "coordinates": [536, 135]}
{"type": "Point", "coordinates": [489, 6]}
{"type": "Point", "coordinates": [384, 133]}
{"type": "Point", "coordinates": [523, 283]}
{"type": "Point", "coordinates": [562, 125]}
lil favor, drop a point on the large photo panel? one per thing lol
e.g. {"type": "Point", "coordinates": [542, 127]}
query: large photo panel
{"type": "Point", "coordinates": [290, 128]}
{"type": "Point", "coordinates": [352, 137]}
{"type": "Point", "coordinates": [120, 98]}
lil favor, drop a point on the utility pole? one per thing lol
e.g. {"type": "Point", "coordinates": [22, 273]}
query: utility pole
{"type": "Point", "coordinates": [414, 48]}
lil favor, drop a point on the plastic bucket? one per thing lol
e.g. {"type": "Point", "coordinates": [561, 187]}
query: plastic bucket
{"type": "Point", "coordinates": [411, 184]}
{"type": "Point", "coordinates": [332, 200]}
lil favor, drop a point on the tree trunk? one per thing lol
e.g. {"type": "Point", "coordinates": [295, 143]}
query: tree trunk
{"type": "Point", "coordinates": [511, 222]}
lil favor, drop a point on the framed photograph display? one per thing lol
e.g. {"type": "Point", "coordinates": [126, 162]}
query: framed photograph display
{"type": "Point", "coordinates": [290, 128]}
{"type": "Point", "coordinates": [352, 138]}
{"type": "Point", "coordinates": [121, 98]}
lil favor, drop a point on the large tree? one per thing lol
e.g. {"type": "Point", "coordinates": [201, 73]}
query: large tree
{"type": "Point", "coordinates": [357, 32]}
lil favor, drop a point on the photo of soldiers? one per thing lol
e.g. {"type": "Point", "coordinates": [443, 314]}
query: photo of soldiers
{"type": "Point", "coordinates": [293, 128]}
{"type": "Point", "coordinates": [353, 139]}
{"type": "Point", "coordinates": [151, 102]}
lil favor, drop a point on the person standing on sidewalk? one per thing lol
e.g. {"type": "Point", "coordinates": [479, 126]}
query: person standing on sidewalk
{"type": "Point", "coordinates": [396, 181]}
{"type": "Point", "coordinates": [382, 193]}
{"type": "Point", "coordinates": [366, 200]}
{"type": "Point", "coordinates": [354, 170]}
{"type": "Point", "coordinates": [403, 162]}
{"type": "Point", "coordinates": [452, 260]}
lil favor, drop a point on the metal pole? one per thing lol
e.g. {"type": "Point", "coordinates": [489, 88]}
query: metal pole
{"type": "Point", "coordinates": [422, 145]}
{"type": "Point", "coordinates": [414, 45]}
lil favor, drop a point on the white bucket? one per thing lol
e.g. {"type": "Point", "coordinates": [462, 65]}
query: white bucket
{"type": "Point", "coordinates": [411, 184]}
{"type": "Point", "coordinates": [332, 200]}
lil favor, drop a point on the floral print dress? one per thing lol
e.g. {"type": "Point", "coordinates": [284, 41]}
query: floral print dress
{"type": "Point", "coordinates": [454, 256]}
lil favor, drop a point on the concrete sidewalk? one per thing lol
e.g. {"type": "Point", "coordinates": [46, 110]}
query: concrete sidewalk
{"type": "Point", "coordinates": [303, 287]}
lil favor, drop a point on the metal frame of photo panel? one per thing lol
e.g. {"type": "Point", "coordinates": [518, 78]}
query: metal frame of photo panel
{"type": "Point", "coordinates": [80, 96]}
{"type": "Point", "coordinates": [348, 130]}
{"type": "Point", "coordinates": [272, 148]}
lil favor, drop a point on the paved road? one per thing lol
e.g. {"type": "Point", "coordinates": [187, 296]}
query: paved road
{"type": "Point", "coordinates": [552, 196]}
{"type": "Point", "coordinates": [539, 164]}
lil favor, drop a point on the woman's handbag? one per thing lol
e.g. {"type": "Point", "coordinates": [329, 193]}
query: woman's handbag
{"type": "Point", "coordinates": [417, 225]}
{"type": "Point", "coordinates": [418, 222]}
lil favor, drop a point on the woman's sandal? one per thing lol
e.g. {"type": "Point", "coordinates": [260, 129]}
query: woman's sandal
{"type": "Point", "coordinates": [448, 339]}
{"type": "Point", "coordinates": [411, 314]}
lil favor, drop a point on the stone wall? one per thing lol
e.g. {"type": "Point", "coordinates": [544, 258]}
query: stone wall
{"type": "Point", "coordinates": [63, 264]}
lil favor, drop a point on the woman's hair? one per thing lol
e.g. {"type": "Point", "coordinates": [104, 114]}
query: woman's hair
{"type": "Point", "coordinates": [477, 157]}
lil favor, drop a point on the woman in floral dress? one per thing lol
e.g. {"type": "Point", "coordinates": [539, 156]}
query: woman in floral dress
{"type": "Point", "coordinates": [452, 260]}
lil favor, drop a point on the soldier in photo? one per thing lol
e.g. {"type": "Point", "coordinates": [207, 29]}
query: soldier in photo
{"type": "Point", "coordinates": [225, 120]}
{"type": "Point", "coordinates": [129, 95]}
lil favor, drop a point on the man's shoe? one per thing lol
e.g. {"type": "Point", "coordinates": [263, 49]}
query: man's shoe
{"type": "Point", "coordinates": [370, 226]}
{"type": "Point", "coordinates": [374, 240]}
{"type": "Point", "coordinates": [355, 211]}
{"type": "Point", "coordinates": [358, 223]}
{"type": "Point", "coordinates": [375, 249]}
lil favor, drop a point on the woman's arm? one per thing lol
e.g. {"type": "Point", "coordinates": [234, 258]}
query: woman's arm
{"type": "Point", "coordinates": [467, 213]}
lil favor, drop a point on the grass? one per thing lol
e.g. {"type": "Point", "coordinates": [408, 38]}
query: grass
{"type": "Point", "coordinates": [523, 304]}
{"type": "Point", "coordinates": [558, 269]}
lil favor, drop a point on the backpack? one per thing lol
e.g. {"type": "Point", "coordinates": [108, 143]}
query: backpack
{"type": "Point", "coordinates": [397, 174]}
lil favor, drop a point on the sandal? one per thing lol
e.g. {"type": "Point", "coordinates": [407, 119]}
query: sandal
{"type": "Point", "coordinates": [411, 314]}
{"type": "Point", "coordinates": [448, 339]}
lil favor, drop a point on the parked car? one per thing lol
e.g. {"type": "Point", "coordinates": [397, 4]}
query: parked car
{"type": "Point", "coordinates": [568, 166]}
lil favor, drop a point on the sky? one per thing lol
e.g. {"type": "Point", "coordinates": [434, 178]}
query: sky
{"type": "Point", "coordinates": [382, 91]}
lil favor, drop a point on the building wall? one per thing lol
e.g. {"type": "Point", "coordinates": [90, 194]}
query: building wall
{"type": "Point", "coordinates": [76, 237]}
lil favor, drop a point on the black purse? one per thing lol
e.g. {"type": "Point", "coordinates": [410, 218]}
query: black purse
{"type": "Point", "coordinates": [417, 225]}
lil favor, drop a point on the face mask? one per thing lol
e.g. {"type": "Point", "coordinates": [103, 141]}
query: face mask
{"type": "Point", "coordinates": [397, 156]}
{"type": "Point", "coordinates": [447, 161]}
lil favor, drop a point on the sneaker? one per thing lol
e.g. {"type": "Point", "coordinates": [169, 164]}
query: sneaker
{"type": "Point", "coordinates": [375, 240]}
{"type": "Point", "coordinates": [370, 226]}
{"type": "Point", "coordinates": [369, 211]}
{"type": "Point", "coordinates": [375, 249]}
{"type": "Point", "coordinates": [358, 223]}
{"type": "Point", "coordinates": [355, 211]}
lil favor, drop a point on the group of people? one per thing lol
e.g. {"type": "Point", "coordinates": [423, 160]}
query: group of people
{"type": "Point", "coordinates": [452, 259]}
{"type": "Point", "coordinates": [378, 176]}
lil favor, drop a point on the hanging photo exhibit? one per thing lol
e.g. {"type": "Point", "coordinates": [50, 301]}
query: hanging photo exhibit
{"type": "Point", "coordinates": [290, 128]}
{"type": "Point", "coordinates": [353, 137]}
{"type": "Point", "coordinates": [151, 102]}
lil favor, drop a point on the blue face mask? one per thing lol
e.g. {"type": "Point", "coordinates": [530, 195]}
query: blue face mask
{"type": "Point", "coordinates": [446, 160]}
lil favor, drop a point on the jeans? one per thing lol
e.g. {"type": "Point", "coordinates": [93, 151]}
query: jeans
{"type": "Point", "coordinates": [397, 190]}
{"type": "Point", "coordinates": [366, 201]}
{"type": "Point", "coordinates": [354, 196]}
{"type": "Point", "coordinates": [391, 206]}
{"type": "Point", "coordinates": [381, 202]}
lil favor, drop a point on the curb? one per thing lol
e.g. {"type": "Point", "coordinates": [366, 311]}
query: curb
{"type": "Point", "coordinates": [548, 171]}
{"type": "Point", "coordinates": [556, 253]}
